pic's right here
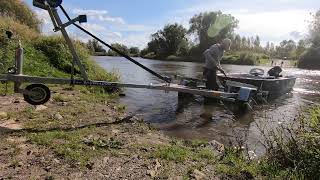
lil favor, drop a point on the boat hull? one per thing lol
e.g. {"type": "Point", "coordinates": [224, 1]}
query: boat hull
{"type": "Point", "coordinates": [275, 87]}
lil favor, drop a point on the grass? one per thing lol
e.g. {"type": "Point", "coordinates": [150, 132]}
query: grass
{"type": "Point", "coordinates": [68, 145]}
{"type": "Point", "coordinates": [245, 58]}
{"type": "Point", "coordinates": [172, 153]}
{"type": "Point", "coordinates": [76, 146]}
{"type": "Point", "coordinates": [293, 154]}
{"type": "Point", "coordinates": [182, 151]}
{"type": "Point", "coordinates": [61, 98]}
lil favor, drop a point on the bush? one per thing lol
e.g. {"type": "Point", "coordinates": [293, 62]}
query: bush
{"type": "Point", "coordinates": [294, 151]}
{"type": "Point", "coordinates": [150, 56]}
{"type": "Point", "coordinates": [57, 52]}
{"type": "Point", "coordinates": [247, 59]}
{"type": "Point", "coordinates": [21, 31]}
{"type": "Point", "coordinates": [244, 58]}
{"type": "Point", "coordinates": [20, 12]}
{"type": "Point", "coordinates": [59, 56]}
{"type": "Point", "coordinates": [310, 59]}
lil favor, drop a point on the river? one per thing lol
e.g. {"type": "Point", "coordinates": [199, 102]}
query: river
{"type": "Point", "coordinates": [199, 121]}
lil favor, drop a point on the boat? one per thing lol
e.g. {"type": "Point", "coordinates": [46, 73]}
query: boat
{"type": "Point", "coordinates": [273, 83]}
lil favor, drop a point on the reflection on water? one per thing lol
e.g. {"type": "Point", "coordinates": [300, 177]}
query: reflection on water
{"type": "Point", "coordinates": [194, 119]}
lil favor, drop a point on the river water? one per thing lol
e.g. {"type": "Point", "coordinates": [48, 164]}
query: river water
{"type": "Point", "coordinates": [210, 122]}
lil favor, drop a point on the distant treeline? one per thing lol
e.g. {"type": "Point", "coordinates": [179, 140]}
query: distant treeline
{"type": "Point", "coordinates": [176, 43]}
{"type": "Point", "coordinates": [96, 49]}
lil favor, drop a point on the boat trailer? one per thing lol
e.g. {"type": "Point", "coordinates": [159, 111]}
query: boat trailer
{"type": "Point", "coordinates": [37, 93]}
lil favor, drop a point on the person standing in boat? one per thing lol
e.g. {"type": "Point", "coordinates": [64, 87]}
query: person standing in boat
{"type": "Point", "coordinates": [213, 56]}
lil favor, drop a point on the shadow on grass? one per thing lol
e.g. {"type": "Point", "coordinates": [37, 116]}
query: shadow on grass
{"type": "Point", "coordinates": [8, 131]}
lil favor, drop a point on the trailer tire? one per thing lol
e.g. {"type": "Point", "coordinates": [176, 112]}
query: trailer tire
{"type": "Point", "coordinates": [42, 96]}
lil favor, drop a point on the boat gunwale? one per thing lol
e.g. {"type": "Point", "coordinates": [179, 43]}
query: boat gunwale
{"type": "Point", "coordinates": [253, 79]}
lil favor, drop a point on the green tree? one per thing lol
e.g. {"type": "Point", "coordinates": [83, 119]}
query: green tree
{"type": "Point", "coordinates": [169, 40]}
{"type": "Point", "coordinates": [311, 58]}
{"type": "Point", "coordinates": [287, 49]}
{"type": "Point", "coordinates": [272, 50]}
{"type": "Point", "coordinates": [256, 43]}
{"type": "Point", "coordinates": [124, 49]}
{"type": "Point", "coordinates": [237, 42]}
{"type": "Point", "coordinates": [267, 48]}
{"type": "Point", "coordinates": [94, 46]}
{"type": "Point", "coordinates": [134, 51]}
{"type": "Point", "coordinates": [314, 30]}
{"type": "Point", "coordinates": [301, 48]}
{"type": "Point", "coordinates": [217, 24]}
{"type": "Point", "coordinates": [249, 43]}
{"type": "Point", "coordinates": [244, 44]}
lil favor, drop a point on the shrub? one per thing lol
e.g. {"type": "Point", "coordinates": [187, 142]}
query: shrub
{"type": "Point", "coordinates": [310, 59]}
{"type": "Point", "coordinates": [57, 52]}
{"type": "Point", "coordinates": [59, 56]}
{"type": "Point", "coordinates": [247, 59]}
{"type": "Point", "coordinates": [150, 56]}
{"type": "Point", "coordinates": [244, 58]}
{"type": "Point", "coordinates": [294, 151]}
{"type": "Point", "coordinates": [20, 12]}
{"type": "Point", "coordinates": [21, 31]}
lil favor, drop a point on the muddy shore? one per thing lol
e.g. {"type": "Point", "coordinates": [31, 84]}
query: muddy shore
{"type": "Point", "coordinates": [78, 135]}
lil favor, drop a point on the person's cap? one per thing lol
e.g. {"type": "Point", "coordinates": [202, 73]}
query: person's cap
{"type": "Point", "coordinates": [226, 43]}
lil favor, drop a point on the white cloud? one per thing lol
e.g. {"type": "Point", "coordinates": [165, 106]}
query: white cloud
{"type": "Point", "coordinates": [43, 16]}
{"type": "Point", "coordinates": [90, 12]}
{"type": "Point", "coordinates": [101, 15]}
{"type": "Point", "coordinates": [115, 29]}
{"type": "Point", "coordinates": [274, 23]}
{"type": "Point", "coordinates": [273, 26]}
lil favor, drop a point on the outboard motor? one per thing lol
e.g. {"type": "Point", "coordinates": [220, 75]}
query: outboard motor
{"type": "Point", "coordinates": [275, 71]}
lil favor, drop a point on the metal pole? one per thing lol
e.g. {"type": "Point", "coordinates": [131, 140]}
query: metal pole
{"type": "Point", "coordinates": [166, 79]}
{"type": "Point", "coordinates": [19, 66]}
{"type": "Point", "coordinates": [76, 58]}
{"type": "Point", "coordinates": [19, 59]}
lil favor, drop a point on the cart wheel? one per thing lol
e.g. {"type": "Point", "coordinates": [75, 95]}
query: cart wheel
{"type": "Point", "coordinates": [40, 94]}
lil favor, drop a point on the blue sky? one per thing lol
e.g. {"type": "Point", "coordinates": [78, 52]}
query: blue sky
{"type": "Point", "coordinates": [132, 21]}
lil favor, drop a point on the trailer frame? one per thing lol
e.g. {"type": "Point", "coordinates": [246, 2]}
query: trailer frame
{"type": "Point", "coordinates": [37, 93]}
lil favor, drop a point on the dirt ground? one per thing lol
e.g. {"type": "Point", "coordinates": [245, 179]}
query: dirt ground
{"type": "Point", "coordinates": [81, 136]}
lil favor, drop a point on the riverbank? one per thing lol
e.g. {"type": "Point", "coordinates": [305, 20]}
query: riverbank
{"type": "Point", "coordinates": [79, 135]}
{"type": "Point", "coordinates": [236, 58]}
{"type": "Point", "coordinates": [84, 135]}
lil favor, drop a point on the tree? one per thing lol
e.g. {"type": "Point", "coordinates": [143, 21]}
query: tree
{"type": "Point", "coordinates": [287, 49]}
{"type": "Point", "coordinates": [301, 48]}
{"type": "Point", "coordinates": [267, 48]}
{"type": "Point", "coordinates": [272, 50]}
{"type": "Point", "coordinates": [134, 51]}
{"type": "Point", "coordinates": [94, 46]}
{"type": "Point", "coordinates": [249, 43]}
{"type": "Point", "coordinates": [237, 42]}
{"type": "Point", "coordinates": [220, 25]}
{"type": "Point", "coordinates": [310, 58]}
{"type": "Point", "coordinates": [124, 49]}
{"type": "Point", "coordinates": [244, 44]}
{"type": "Point", "coordinates": [169, 40]}
{"type": "Point", "coordinates": [314, 30]}
{"type": "Point", "coordinates": [256, 43]}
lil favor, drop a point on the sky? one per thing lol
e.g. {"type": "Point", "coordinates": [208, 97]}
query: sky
{"type": "Point", "coordinates": [131, 22]}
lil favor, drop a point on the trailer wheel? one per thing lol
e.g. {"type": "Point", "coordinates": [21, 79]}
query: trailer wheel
{"type": "Point", "coordinates": [39, 94]}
